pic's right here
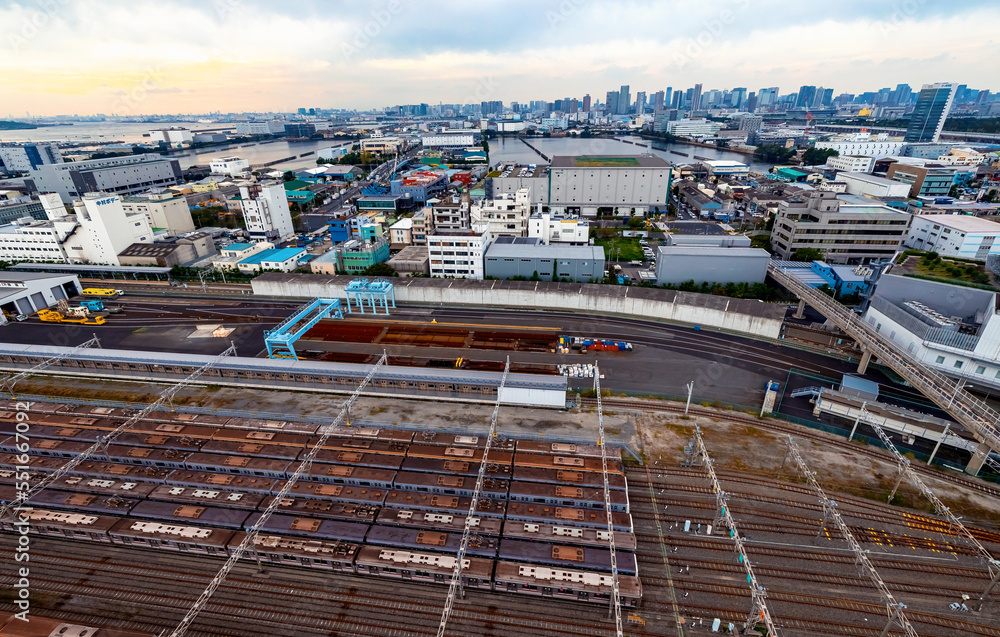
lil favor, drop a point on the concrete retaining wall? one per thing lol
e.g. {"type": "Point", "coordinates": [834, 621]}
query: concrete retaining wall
{"type": "Point", "coordinates": [762, 320]}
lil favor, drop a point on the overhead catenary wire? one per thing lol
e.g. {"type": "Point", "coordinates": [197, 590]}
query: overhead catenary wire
{"type": "Point", "coordinates": [251, 533]}
{"type": "Point", "coordinates": [101, 445]}
{"type": "Point", "coordinates": [456, 576]}
{"type": "Point", "coordinates": [616, 600]}
{"type": "Point", "coordinates": [894, 609]}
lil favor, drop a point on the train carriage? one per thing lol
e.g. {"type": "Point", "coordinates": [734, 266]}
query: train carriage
{"type": "Point", "coordinates": [565, 583]}
{"type": "Point", "coordinates": [568, 476]}
{"type": "Point", "coordinates": [462, 486]}
{"type": "Point", "coordinates": [146, 456]}
{"type": "Point", "coordinates": [447, 503]}
{"type": "Point", "coordinates": [201, 495]}
{"type": "Point", "coordinates": [243, 465]}
{"type": "Point", "coordinates": [334, 492]}
{"type": "Point", "coordinates": [567, 516]}
{"type": "Point", "coordinates": [353, 476]}
{"type": "Point", "coordinates": [425, 540]}
{"type": "Point", "coordinates": [586, 558]}
{"type": "Point", "coordinates": [462, 440]}
{"type": "Point", "coordinates": [322, 554]}
{"type": "Point", "coordinates": [190, 514]}
{"type": "Point", "coordinates": [313, 507]}
{"type": "Point", "coordinates": [180, 429]}
{"type": "Point", "coordinates": [284, 426]}
{"type": "Point", "coordinates": [68, 524]}
{"type": "Point", "coordinates": [573, 463]}
{"type": "Point", "coordinates": [575, 535]}
{"type": "Point", "coordinates": [249, 484]}
{"type": "Point", "coordinates": [469, 454]}
{"type": "Point", "coordinates": [359, 459]}
{"type": "Point", "coordinates": [362, 445]}
{"type": "Point", "coordinates": [61, 419]}
{"type": "Point", "coordinates": [438, 521]}
{"type": "Point", "coordinates": [300, 440]}
{"type": "Point", "coordinates": [311, 527]}
{"type": "Point", "coordinates": [55, 432]}
{"type": "Point", "coordinates": [370, 433]}
{"type": "Point", "coordinates": [420, 566]}
{"type": "Point", "coordinates": [257, 449]}
{"type": "Point", "coordinates": [104, 486]}
{"type": "Point", "coordinates": [456, 467]}
{"type": "Point", "coordinates": [83, 502]}
{"type": "Point", "coordinates": [564, 495]}
{"type": "Point", "coordinates": [47, 447]}
{"type": "Point", "coordinates": [172, 536]}
{"type": "Point", "coordinates": [564, 449]}
{"type": "Point", "coordinates": [160, 441]}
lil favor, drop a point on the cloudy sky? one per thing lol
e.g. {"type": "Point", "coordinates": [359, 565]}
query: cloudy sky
{"type": "Point", "coordinates": [184, 56]}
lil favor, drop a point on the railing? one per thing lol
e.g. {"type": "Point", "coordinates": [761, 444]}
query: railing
{"type": "Point", "coordinates": [972, 413]}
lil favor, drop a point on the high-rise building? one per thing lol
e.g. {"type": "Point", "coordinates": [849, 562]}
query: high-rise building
{"type": "Point", "coordinates": [751, 105]}
{"type": "Point", "coordinates": [640, 102]}
{"type": "Point", "coordinates": [586, 103]}
{"type": "Point", "coordinates": [806, 96]}
{"type": "Point", "coordinates": [826, 98]}
{"type": "Point", "coordinates": [668, 97]}
{"type": "Point", "coordinates": [658, 98]}
{"type": "Point", "coordinates": [696, 97]}
{"type": "Point", "coordinates": [738, 97]}
{"type": "Point", "coordinates": [266, 213]}
{"type": "Point", "coordinates": [624, 100]}
{"type": "Point", "coordinates": [611, 107]}
{"type": "Point", "coordinates": [927, 120]}
{"type": "Point", "coordinates": [901, 96]}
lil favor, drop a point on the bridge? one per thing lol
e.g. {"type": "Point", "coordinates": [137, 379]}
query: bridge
{"type": "Point", "coordinates": [975, 415]}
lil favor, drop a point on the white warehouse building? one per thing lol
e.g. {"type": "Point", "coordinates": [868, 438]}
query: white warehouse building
{"type": "Point", "coordinates": [851, 163]}
{"type": "Point", "coordinates": [460, 139]}
{"type": "Point", "coordinates": [558, 228]}
{"type": "Point", "coordinates": [231, 166]}
{"type": "Point", "coordinates": [954, 236]}
{"type": "Point", "coordinates": [953, 330]}
{"type": "Point", "coordinates": [172, 137]}
{"type": "Point", "coordinates": [864, 144]}
{"type": "Point", "coordinates": [619, 184]}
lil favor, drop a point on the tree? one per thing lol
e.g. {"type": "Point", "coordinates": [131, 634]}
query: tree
{"type": "Point", "coordinates": [380, 269]}
{"type": "Point", "coordinates": [534, 276]}
{"type": "Point", "coordinates": [772, 153]}
{"type": "Point", "coordinates": [288, 176]}
{"type": "Point", "coordinates": [635, 222]}
{"type": "Point", "coordinates": [816, 156]}
{"type": "Point", "coordinates": [807, 254]}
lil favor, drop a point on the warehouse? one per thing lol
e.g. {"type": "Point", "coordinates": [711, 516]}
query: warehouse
{"type": "Point", "coordinates": [28, 292]}
{"type": "Point", "coordinates": [510, 257]}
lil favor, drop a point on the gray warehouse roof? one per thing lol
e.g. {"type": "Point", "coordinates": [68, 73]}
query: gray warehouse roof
{"type": "Point", "coordinates": [712, 251]}
{"type": "Point", "coordinates": [531, 247]}
{"type": "Point", "coordinates": [610, 161]}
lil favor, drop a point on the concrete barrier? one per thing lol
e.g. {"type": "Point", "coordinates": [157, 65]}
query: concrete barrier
{"type": "Point", "coordinates": [740, 316]}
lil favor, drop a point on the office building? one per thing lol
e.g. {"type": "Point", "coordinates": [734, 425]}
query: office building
{"type": "Point", "coordinates": [928, 180]}
{"type": "Point", "coordinates": [11, 211]}
{"type": "Point", "coordinates": [874, 146]}
{"type": "Point", "coordinates": [509, 257]}
{"type": "Point", "coordinates": [928, 117]}
{"type": "Point", "coordinates": [457, 254]}
{"type": "Point", "coordinates": [586, 103]}
{"type": "Point", "coordinates": [954, 236]}
{"type": "Point", "coordinates": [640, 102]}
{"type": "Point", "coordinates": [164, 212]}
{"type": "Point", "coordinates": [624, 100]}
{"type": "Point", "coordinates": [273, 127]}
{"type": "Point", "coordinates": [418, 186]}
{"type": "Point", "coordinates": [22, 158]}
{"type": "Point", "coordinates": [118, 175]}
{"type": "Point", "coordinates": [694, 127]}
{"type": "Point", "coordinates": [658, 98]}
{"type": "Point", "coordinates": [390, 145]}
{"type": "Point", "coordinates": [696, 97]}
{"type": "Point", "coordinates": [805, 97]}
{"type": "Point", "coordinates": [232, 166]}
{"type": "Point", "coordinates": [265, 212]}
{"type": "Point", "coordinates": [844, 234]}
{"type": "Point", "coordinates": [865, 185]}
{"type": "Point", "coordinates": [611, 103]}
{"type": "Point", "coordinates": [751, 123]}
{"type": "Point", "coordinates": [950, 329]}
{"type": "Point", "coordinates": [448, 139]}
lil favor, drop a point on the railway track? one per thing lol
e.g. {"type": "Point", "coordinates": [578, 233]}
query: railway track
{"type": "Point", "coordinates": [773, 425]}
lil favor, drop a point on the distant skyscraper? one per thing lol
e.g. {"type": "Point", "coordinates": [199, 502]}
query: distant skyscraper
{"type": "Point", "coordinates": [624, 100]}
{"type": "Point", "coordinates": [696, 97]}
{"type": "Point", "coordinates": [826, 98]}
{"type": "Point", "coordinates": [927, 120]}
{"type": "Point", "coordinates": [612, 103]}
{"type": "Point", "coordinates": [738, 97]}
{"type": "Point", "coordinates": [586, 103]}
{"type": "Point", "coordinates": [658, 99]}
{"type": "Point", "coordinates": [640, 102]}
{"type": "Point", "coordinates": [901, 96]}
{"type": "Point", "coordinates": [668, 97]}
{"type": "Point", "coordinates": [806, 96]}
{"type": "Point", "coordinates": [675, 103]}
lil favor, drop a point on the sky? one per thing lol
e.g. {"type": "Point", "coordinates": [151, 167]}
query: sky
{"type": "Point", "coordinates": [139, 57]}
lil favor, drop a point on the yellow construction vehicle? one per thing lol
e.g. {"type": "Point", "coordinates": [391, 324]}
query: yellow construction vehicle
{"type": "Point", "coordinates": [52, 316]}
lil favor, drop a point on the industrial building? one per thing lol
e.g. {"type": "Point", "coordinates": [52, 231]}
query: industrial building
{"type": "Point", "coordinates": [954, 236]}
{"type": "Point", "coordinates": [927, 180]}
{"type": "Point", "coordinates": [720, 168]}
{"type": "Point", "coordinates": [353, 256]}
{"type": "Point", "coordinates": [180, 251]}
{"type": "Point", "coordinates": [676, 264]}
{"type": "Point", "coordinates": [844, 234]}
{"type": "Point", "coordinates": [861, 184]}
{"type": "Point", "coordinates": [172, 137]}
{"type": "Point", "coordinates": [28, 292]}
{"type": "Point", "coordinates": [509, 178]}
{"type": "Point", "coordinates": [693, 127]}
{"type": "Point", "coordinates": [616, 184]}
{"type": "Point", "coordinates": [509, 257]}
{"type": "Point", "coordinates": [232, 166]}
{"type": "Point", "coordinates": [559, 228]}
{"type": "Point", "coordinates": [12, 210]}
{"type": "Point", "coordinates": [411, 260]}
{"type": "Point", "coordinates": [280, 259]}
{"type": "Point", "coordinates": [164, 211]}
{"type": "Point", "coordinates": [390, 145]}
{"type": "Point", "coordinates": [949, 329]}
{"type": "Point", "coordinates": [23, 158]}
{"type": "Point", "coordinates": [844, 280]}
{"type": "Point", "coordinates": [273, 127]}
{"type": "Point", "coordinates": [458, 139]}
{"type": "Point", "coordinates": [418, 186]}
{"type": "Point", "coordinates": [117, 175]}
{"type": "Point", "coordinates": [851, 163]}
{"type": "Point", "coordinates": [864, 144]}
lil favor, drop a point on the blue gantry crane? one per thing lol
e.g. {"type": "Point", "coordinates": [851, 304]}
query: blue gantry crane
{"type": "Point", "coordinates": [280, 341]}
{"type": "Point", "coordinates": [378, 293]}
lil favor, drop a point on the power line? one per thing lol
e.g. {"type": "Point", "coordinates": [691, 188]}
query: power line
{"type": "Point", "coordinates": [456, 575]}
{"type": "Point", "coordinates": [251, 534]}
{"type": "Point", "coordinates": [894, 609]}
{"type": "Point", "coordinates": [759, 611]}
{"type": "Point", "coordinates": [101, 445]}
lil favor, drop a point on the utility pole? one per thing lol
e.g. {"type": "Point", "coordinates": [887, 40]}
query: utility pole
{"type": "Point", "coordinates": [690, 388]}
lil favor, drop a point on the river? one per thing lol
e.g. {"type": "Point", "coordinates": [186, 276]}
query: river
{"type": "Point", "coordinates": [511, 149]}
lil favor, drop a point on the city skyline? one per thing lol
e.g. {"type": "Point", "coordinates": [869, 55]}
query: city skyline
{"type": "Point", "coordinates": [82, 57]}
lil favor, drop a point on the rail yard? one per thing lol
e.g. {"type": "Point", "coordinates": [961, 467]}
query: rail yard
{"type": "Point", "coordinates": [151, 519]}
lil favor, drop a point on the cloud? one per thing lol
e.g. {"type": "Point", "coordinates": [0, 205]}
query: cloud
{"type": "Point", "coordinates": [60, 56]}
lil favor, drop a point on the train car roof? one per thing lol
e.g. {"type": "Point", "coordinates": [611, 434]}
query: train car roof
{"type": "Point", "coordinates": [563, 555]}
{"type": "Point", "coordinates": [71, 520]}
{"type": "Point", "coordinates": [334, 492]}
{"type": "Point", "coordinates": [313, 549]}
{"type": "Point", "coordinates": [579, 580]}
{"type": "Point", "coordinates": [436, 563]}
{"type": "Point", "coordinates": [228, 463]}
{"type": "Point", "coordinates": [178, 513]}
{"type": "Point", "coordinates": [425, 540]}
{"type": "Point", "coordinates": [564, 449]}
{"type": "Point", "coordinates": [579, 494]}
{"type": "Point", "coordinates": [437, 480]}
{"type": "Point", "coordinates": [172, 531]}
{"type": "Point", "coordinates": [313, 507]}
{"type": "Point", "coordinates": [455, 467]}
{"type": "Point", "coordinates": [418, 519]}
{"type": "Point", "coordinates": [104, 486]}
{"type": "Point", "coordinates": [568, 476]}
{"type": "Point", "coordinates": [359, 458]}
{"type": "Point", "coordinates": [568, 516]}
{"type": "Point", "coordinates": [267, 450]}
{"type": "Point", "coordinates": [315, 528]}
{"type": "Point", "coordinates": [199, 495]}
{"type": "Point", "coordinates": [230, 481]}
{"type": "Point", "coordinates": [319, 471]}
{"type": "Point", "coordinates": [84, 501]}
{"type": "Point", "coordinates": [471, 454]}
{"type": "Point", "coordinates": [575, 535]}
{"type": "Point", "coordinates": [433, 501]}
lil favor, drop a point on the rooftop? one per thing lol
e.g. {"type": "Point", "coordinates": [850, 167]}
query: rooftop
{"type": "Point", "coordinates": [237, 247]}
{"type": "Point", "coordinates": [965, 223]}
{"type": "Point", "coordinates": [705, 251]}
{"type": "Point", "coordinates": [868, 179]}
{"type": "Point", "coordinates": [532, 247]}
{"type": "Point", "coordinates": [149, 250]}
{"type": "Point", "coordinates": [610, 161]}
{"type": "Point", "coordinates": [273, 254]}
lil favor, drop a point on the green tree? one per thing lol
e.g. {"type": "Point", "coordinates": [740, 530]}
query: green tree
{"type": "Point", "coordinates": [534, 276]}
{"type": "Point", "coordinates": [816, 156]}
{"type": "Point", "coordinates": [773, 154]}
{"type": "Point", "coordinates": [807, 254]}
{"type": "Point", "coordinates": [288, 176]}
{"type": "Point", "coordinates": [636, 222]}
{"type": "Point", "coordinates": [380, 269]}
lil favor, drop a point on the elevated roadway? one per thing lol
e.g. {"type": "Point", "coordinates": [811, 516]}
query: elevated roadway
{"type": "Point", "coordinates": [976, 416]}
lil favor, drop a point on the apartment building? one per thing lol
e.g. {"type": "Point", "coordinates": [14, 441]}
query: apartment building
{"type": "Point", "coordinates": [457, 254]}
{"type": "Point", "coordinates": [505, 215]}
